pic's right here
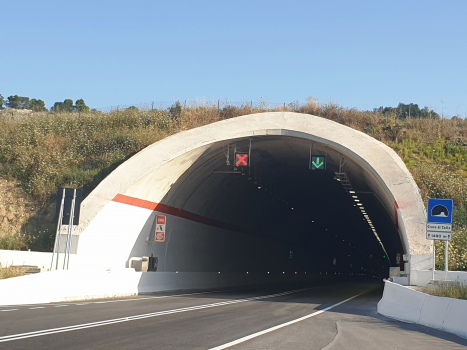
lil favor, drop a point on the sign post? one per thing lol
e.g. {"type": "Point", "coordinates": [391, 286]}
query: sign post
{"type": "Point", "coordinates": [439, 226]}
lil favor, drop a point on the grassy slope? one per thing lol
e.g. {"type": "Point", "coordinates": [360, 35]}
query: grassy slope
{"type": "Point", "coordinates": [43, 151]}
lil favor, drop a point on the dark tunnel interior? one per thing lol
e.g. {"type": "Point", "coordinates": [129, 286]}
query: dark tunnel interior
{"type": "Point", "coordinates": [318, 222]}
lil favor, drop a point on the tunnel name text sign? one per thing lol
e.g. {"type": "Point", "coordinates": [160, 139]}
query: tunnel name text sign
{"type": "Point", "coordinates": [439, 222]}
{"type": "Point", "coordinates": [160, 228]}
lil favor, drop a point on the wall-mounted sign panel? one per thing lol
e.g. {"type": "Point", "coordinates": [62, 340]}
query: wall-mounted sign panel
{"type": "Point", "coordinates": [160, 228]}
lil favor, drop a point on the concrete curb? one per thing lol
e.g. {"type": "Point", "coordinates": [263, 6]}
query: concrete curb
{"type": "Point", "coordinates": [408, 305]}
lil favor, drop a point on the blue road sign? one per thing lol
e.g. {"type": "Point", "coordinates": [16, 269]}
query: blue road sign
{"type": "Point", "coordinates": [440, 211]}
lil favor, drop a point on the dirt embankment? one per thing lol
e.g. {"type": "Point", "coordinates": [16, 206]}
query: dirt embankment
{"type": "Point", "coordinates": [15, 208]}
{"type": "Point", "coordinates": [23, 224]}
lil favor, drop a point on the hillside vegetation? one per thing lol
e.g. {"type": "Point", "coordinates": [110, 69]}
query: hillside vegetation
{"type": "Point", "coordinates": [41, 151]}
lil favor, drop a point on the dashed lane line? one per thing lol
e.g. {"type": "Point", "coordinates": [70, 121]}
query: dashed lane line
{"type": "Point", "coordinates": [40, 333]}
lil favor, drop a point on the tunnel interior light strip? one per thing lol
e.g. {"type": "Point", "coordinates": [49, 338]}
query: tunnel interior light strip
{"type": "Point", "coordinates": [341, 176]}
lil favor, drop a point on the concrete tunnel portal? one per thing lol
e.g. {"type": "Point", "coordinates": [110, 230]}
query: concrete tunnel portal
{"type": "Point", "coordinates": [276, 215]}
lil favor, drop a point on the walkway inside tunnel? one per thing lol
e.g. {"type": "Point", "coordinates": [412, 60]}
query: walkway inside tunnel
{"type": "Point", "coordinates": [277, 214]}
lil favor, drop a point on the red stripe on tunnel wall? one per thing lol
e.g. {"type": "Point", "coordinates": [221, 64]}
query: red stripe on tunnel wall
{"type": "Point", "coordinates": [141, 203]}
{"type": "Point", "coordinates": [167, 209]}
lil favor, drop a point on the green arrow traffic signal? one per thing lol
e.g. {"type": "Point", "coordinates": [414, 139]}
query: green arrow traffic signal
{"type": "Point", "coordinates": [318, 162]}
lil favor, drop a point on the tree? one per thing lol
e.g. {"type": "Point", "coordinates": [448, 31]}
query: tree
{"type": "Point", "coordinates": [18, 102]}
{"type": "Point", "coordinates": [175, 110]}
{"type": "Point", "coordinates": [65, 106]}
{"type": "Point", "coordinates": [402, 111]}
{"type": "Point", "coordinates": [2, 100]}
{"type": "Point", "coordinates": [80, 106]}
{"type": "Point", "coordinates": [68, 105]}
{"type": "Point", "coordinates": [37, 105]}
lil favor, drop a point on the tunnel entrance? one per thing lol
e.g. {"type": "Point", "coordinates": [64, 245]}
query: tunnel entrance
{"type": "Point", "coordinates": [353, 214]}
{"type": "Point", "coordinates": [327, 220]}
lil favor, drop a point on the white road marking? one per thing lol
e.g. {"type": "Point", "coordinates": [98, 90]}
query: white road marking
{"type": "Point", "coordinates": [38, 307]}
{"type": "Point", "coordinates": [133, 299]}
{"type": "Point", "coordinates": [272, 329]}
{"type": "Point", "coordinates": [10, 310]}
{"type": "Point", "coordinates": [138, 317]}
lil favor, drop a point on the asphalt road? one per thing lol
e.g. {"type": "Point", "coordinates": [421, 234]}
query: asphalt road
{"type": "Point", "coordinates": [280, 317]}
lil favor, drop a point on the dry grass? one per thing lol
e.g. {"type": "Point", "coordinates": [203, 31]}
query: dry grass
{"type": "Point", "coordinates": [454, 290]}
{"type": "Point", "coordinates": [40, 152]}
{"type": "Point", "coordinates": [8, 272]}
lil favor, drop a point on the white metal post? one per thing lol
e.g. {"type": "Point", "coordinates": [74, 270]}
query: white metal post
{"type": "Point", "coordinates": [434, 259]}
{"type": "Point", "coordinates": [446, 262]}
{"type": "Point", "coordinates": [57, 233]}
{"type": "Point", "coordinates": [66, 258]}
{"type": "Point", "coordinates": [249, 160]}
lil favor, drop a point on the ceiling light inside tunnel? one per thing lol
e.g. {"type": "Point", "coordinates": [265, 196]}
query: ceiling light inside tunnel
{"type": "Point", "coordinates": [357, 200]}
{"type": "Point", "coordinates": [259, 187]}
{"type": "Point", "coordinates": [351, 191]}
{"type": "Point", "coordinates": [291, 208]}
{"type": "Point", "coordinates": [359, 203]}
{"type": "Point", "coordinates": [354, 196]}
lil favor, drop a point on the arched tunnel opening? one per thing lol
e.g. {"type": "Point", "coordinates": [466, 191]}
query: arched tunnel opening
{"type": "Point", "coordinates": [276, 215]}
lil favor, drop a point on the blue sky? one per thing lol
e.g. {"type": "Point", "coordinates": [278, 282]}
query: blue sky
{"type": "Point", "coordinates": [360, 54]}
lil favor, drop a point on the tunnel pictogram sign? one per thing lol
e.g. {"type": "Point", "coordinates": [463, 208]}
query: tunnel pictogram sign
{"type": "Point", "coordinates": [439, 221]}
{"type": "Point", "coordinates": [160, 228]}
{"type": "Point", "coordinates": [318, 163]}
{"type": "Point", "coordinates": [241, 159]}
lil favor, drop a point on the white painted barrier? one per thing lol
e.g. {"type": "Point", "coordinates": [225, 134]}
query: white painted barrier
{"type": "Point", "coordinates": [59, 286]}
{"type": "Point", "coordinates": [423, 277]}
{"type": "Point", "coordinates": [39, 259]}
{"type": "Point", "coordinates": [63, 286]}
{"type": "Point", "coordinates": [408, 305]}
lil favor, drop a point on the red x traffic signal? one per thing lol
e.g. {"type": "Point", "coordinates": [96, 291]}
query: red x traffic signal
{"type": "Point", "coordinates": [241, 159]}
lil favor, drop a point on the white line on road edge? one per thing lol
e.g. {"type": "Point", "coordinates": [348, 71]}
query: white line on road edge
{"type": "Point", "coordinates": [124, 300]}
{"type": "Point", "coordinates": [272, 329]}
{"type": "Point", "coordinates": [138, 317]}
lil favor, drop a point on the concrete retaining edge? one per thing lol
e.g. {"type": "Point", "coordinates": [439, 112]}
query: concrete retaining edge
{"type": "Point", "coordinates": [408, 305]}
{"type": "Point", "coordinates": [66, 286]}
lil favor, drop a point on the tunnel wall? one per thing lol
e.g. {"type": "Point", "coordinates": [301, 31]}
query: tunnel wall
{"type": "Point", "coordinates": [118, 231]}
{"type": "Point", "coordinates": [190, 245]}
